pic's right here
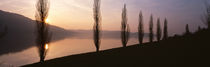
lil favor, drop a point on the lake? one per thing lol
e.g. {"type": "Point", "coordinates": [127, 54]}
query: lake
{"type": "Point", "coordinates": [61, 48]}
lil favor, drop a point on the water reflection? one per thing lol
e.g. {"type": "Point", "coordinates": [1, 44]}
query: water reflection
{"type": "Point", "coordinates": [60, 48]}
{"type": "Point", "coordinates": [46, 46]}
{"type": "Point", "coordinates": [81, 42]}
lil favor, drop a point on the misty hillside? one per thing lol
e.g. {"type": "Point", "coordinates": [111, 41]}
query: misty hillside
{"type": "Point", "coordinates": [21, 31]}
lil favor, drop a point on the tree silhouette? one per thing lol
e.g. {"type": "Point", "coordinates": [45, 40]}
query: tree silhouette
{"type": "Point", "coordinates": [140, 29]}
{"type": "Point", "coordinates": [165, 32]}
{"type": "Point", "coordinates": [187, 30]}
{"type": "Point", "coordinates": [206, 17]}
{"type": "Point", "coordinates": [125, 30]}
{"type": "Point", "coordinates": [43, 35]}
{"type": "Point", "coordinates": [97, 24]}
{"type": "Point", "coordinates": [159, 33]}
{"type": "Point", "coordinates": [151, 29]}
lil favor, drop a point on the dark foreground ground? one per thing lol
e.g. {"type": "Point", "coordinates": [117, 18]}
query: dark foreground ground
{"type": "Point", "coordinates": [178, 51]}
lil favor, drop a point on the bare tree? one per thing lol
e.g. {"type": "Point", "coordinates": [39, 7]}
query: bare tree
{"type": "Point", "coordinates": [151, 34]}
{"type": "Point", "coordinates": [206, 17]}
{"type": "Point", "coordinates": [125, 30]}
{"type": "Point", "coordinates": [43, 35]}
{"type": "Point", "coordinates": [165, 32]}
{"type": "Point", "coordinates": [97, 24]}
{"type": "Point", "coordinates": [159, 33]}
{"type": "Point", "coordinates": [140, 29]}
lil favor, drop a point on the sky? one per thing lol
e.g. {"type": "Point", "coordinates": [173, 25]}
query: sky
{"type": "Point", "coordinates": [78, 14]}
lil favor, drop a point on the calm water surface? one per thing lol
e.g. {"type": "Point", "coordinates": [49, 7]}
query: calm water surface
{"type": "Point", "coordinates": [66, 47]}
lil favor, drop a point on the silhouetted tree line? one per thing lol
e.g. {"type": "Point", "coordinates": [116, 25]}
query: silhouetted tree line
{"type": "Point", "coordinates": [125, 30]}
{"type": "Point", "coordinates": [158, 31]}
{"type": "Point", "coordinates": [43, 35]}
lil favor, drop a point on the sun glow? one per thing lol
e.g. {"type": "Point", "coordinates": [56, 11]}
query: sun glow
{"type": "Point", "coordinates": [47, 20]}
{"type": "Point", "coordinates": [46, 46]}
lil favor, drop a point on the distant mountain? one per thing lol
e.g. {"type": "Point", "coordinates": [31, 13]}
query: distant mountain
{"type": "Point", "coordinates": [18, 32]}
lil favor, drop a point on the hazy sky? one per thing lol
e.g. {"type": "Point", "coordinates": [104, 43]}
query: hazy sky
{"type": "Point", "coordinates": [77, 14]}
